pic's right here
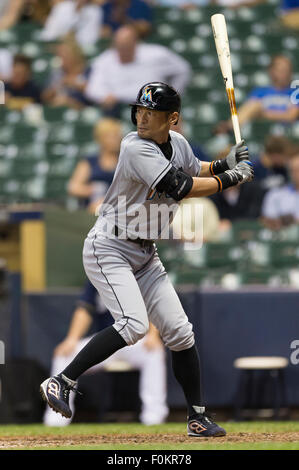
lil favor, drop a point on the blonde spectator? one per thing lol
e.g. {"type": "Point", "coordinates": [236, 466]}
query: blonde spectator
{"type": "Point", "coordinates": [66, 85]}
{"type": "Point", "coordinates": [94, 173]}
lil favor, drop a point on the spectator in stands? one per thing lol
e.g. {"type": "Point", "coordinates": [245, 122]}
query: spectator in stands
{"type": "Point", "coordinates": [273, 103]}
{"type": "Point", "coordinates": [147, 355]}
{"type": "Point", "coordinates": [118, 73]}
{"type": "Point", "coordinates": [271, 170]}
{"type": "Point", "coordinates": [118, 13]}
{"type": "Point", "coordinates": [66, 85]}
{"type": "Point", "coordinates": [281, 205]}
{"type": "Point", "coordinates": [93, 174]}
{"type": "Point", "coordinates": [20, 89]}
{"type": "Point", "coordinates": [238, 203]}
{"type": "Point", "coordinates": [83, 17]}
{"type": "Point", "coordinates": [6, 61]}
{"type": "Point", "coordinates": [290, 13]}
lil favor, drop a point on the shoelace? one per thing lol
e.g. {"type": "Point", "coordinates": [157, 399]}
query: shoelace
{"type": "Point", "coordinates": [209, 418]}
{"type": "Point", "coordinates": [206, 417]}
{"type": "Point", "coordinates": [68, 388]}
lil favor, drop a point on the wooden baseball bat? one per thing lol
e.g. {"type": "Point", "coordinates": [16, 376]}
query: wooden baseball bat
{"type": "Point", "coordinates": [222, 46]}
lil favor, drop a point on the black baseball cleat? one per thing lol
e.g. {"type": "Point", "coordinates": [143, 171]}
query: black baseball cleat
{"type": "Point", "coordinates": [55, 391]}
{"type": "Point", "coordinates": [201, 425]}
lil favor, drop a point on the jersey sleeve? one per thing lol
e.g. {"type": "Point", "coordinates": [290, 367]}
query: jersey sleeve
{"type": "Point", "coordinates": [194, 164]}
{"type": "Point", "coordinates": [145, 164]}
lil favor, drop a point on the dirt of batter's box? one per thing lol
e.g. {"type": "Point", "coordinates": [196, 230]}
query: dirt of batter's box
{"type": "Point", "coordinates": [86, 439]}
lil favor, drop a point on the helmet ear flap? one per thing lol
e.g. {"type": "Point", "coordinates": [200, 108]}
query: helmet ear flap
{"type": "Point", "coordinates": [133, 115]}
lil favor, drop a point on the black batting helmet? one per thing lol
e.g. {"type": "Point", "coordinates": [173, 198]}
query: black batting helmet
{"type": "Point", "coordinates": [158, 96]}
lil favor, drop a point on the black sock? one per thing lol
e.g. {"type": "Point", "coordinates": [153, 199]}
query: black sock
{"type": "Point", "coordinates": [99, 348]}
{"type": "Point", "coordinates": [186, 369]}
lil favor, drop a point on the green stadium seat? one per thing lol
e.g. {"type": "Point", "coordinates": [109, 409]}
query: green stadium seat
{"type": "Point", "coordinates": [61, 167]}
{"type": "Point", "coordinates": [62, 151]}
{"type": "Point", "coordinates": [84, 132]}
{"type": "Point", "coordinates": [6, 134]}
{"type": "Point", "coordinates": [33, 150]}
{"type": "Point", "coordinates": [23, 133]}
{"type": "Point", "coordinates": [247, 230]}
{"type": "Point", "coordinates": [191, 277]}
{"type": "Point", "coordinates": [25, 31]}
{"type": "Point", "coordinates": [91, 115]}
{"type": "Point", "coordinates": [5, 167]}
{"type": "Point", "coordinates": [171, 256]}
{"type": "Point", "coordinates": [263, 276]}
{"type": "Point", "coordinates": [56, 188]}
{"type": "Point", "coordinates": [34, 189]}
{"type": "Point", "coordinates": [61, 133]}
{"type": "Point", "coordinates": [258, 255]}
{"type": "Point", "coordinates": [284, 254]}
{"type": "Point", "coordinates": [222, 255]}
{"type": "Point", "coordinates": [24, 169]}
{"type": "Point", "coordinates": [54, 114]}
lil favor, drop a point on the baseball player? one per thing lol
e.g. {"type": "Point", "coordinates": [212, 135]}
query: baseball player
{"type": "Point", "coordinates": [156, 170]}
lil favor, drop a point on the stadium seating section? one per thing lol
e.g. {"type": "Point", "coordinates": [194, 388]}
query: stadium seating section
{"type": "Point", "coordinates": [37, 157]}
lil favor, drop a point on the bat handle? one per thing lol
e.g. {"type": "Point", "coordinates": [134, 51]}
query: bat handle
{"type": "Point", "coordinates": [236, 127]}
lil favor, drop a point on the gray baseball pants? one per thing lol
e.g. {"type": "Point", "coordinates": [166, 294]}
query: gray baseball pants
{"type": "Point", "coordinates": [135, 288]}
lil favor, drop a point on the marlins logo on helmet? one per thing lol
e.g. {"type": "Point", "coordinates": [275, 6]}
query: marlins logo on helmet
{"type": "Point", "coordinates": [147, 95]}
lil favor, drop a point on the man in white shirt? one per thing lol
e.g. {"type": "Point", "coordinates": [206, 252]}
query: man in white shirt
{"type": "Point", "coordinates": [119, 72]}
{"type": "Point", "coordinates": [83, 17]}
{"type": "Point", "coordinates": [281, 205]}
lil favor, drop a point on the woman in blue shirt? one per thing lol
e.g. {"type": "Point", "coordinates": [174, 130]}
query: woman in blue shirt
{"type": "Point", "coordinates": [94, 173]}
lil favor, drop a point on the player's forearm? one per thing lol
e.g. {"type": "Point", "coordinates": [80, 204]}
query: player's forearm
{"type": "Point", "coordinates": [203, 187]}
{"type": "Point", "coordinates": [80, 324]}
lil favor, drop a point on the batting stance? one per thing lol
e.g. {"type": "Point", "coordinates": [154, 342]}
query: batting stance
{"type": "Point", "coordinates": [156, 167]}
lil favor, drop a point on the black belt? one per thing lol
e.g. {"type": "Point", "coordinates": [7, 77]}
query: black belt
{"type": "Point", "coordinates": [140, 241]}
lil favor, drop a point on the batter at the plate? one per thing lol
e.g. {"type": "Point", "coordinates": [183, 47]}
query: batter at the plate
{"type": "Point", "coordinates": [156, 168]}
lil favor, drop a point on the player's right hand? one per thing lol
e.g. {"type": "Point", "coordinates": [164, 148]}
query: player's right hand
{"type": "Point", "coordinates": [66, 347]}
{"type": "Point", "coordinates": [241, 173]}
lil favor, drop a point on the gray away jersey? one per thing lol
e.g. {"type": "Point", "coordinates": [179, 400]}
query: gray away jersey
{"type": "Point", "coordinates": [132, 202]}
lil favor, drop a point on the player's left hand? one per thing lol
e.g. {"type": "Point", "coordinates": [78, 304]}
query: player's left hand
{"type": "Point", "coordinates": [238, 153]}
